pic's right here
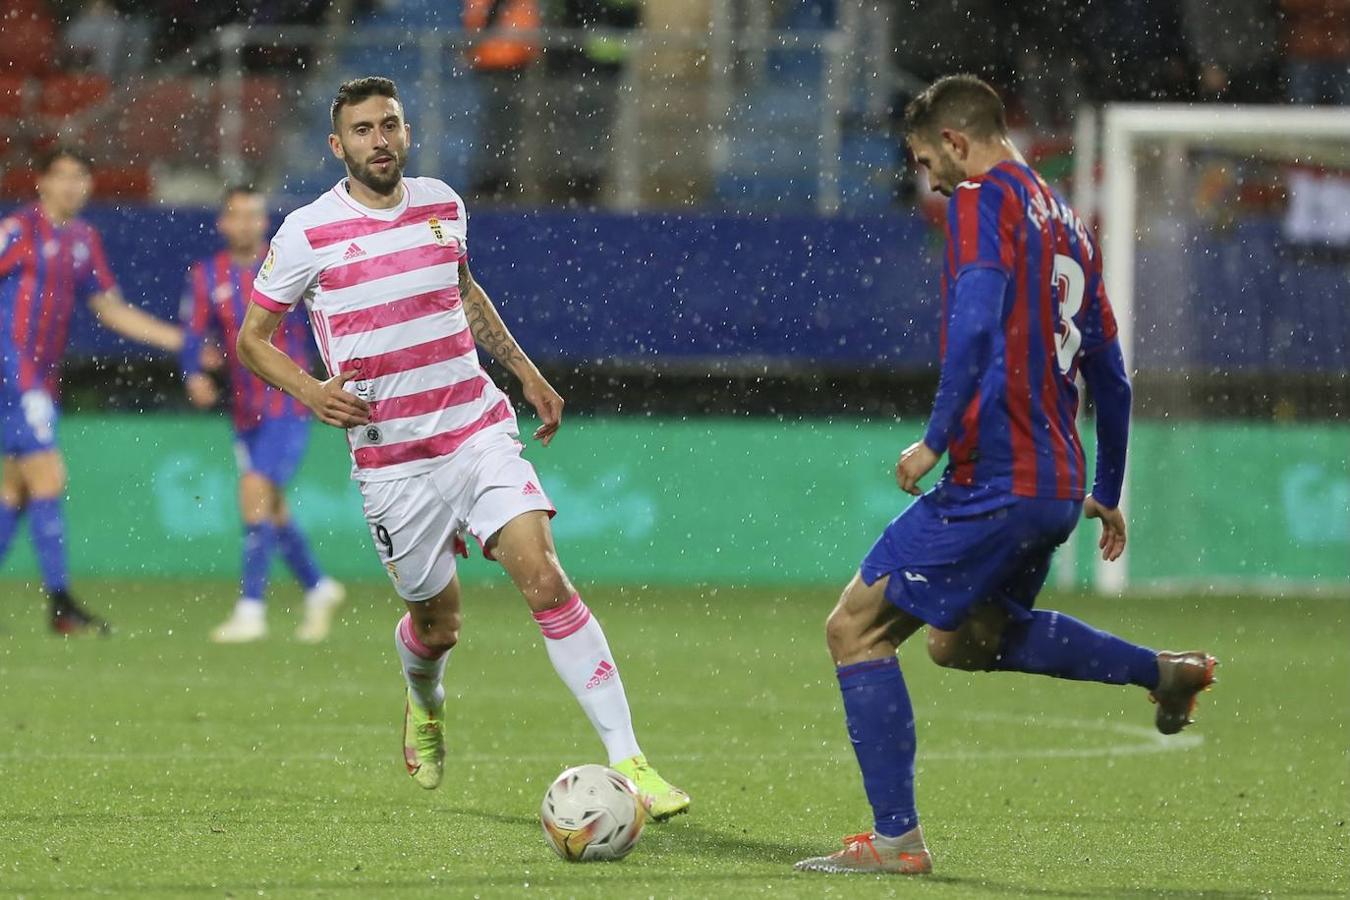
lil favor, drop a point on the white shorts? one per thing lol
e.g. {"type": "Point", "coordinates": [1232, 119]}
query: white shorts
{"type": "Point", "coordinates": [417, 523]}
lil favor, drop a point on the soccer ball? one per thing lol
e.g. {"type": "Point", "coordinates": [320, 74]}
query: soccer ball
{"type": "Point", "coordinates": [592, 813]}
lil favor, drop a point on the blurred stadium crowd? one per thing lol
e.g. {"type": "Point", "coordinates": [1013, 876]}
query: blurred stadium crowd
{"type": "Point", "coordinates": [65, 63]}
{"type": "Point", "coordinates": [766, 117]}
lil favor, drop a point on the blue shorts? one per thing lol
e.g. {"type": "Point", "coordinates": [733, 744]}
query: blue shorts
{"type": "Point", "coordinates": [27, 422]}
{"type": "Point", "coordinates": [943, 566]}
{"type": "Point", "coordinates": [273, 448]}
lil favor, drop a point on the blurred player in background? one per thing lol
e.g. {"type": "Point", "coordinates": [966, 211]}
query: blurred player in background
{"type": "Point", "coordinates": [48, 258]}
{"type": "Point", "coordinates": [271, 428]}
{"type": "Point", "coordinates": [1024, 312]}
{"type": "Point", "coordinates": [382, 263]}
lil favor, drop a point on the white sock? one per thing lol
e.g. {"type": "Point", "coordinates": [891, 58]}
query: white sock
{"type": "Point", "coordinates": [577, 648]}
{"type": "Point", "coordinates": [248, 608]}
{"type": "Point", "coordinates": [422, 668]}
{"type": "Point", "coordinates": [322, 593]}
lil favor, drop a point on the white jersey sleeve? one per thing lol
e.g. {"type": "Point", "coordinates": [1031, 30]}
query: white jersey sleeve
{"type": "Point", "coordinates": [289, 272]}
{"type": "Point", "coordinates": [464, 241]}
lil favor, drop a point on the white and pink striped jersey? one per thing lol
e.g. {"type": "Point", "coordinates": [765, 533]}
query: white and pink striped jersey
{"type": "Point", "coordinates": [382, 287]}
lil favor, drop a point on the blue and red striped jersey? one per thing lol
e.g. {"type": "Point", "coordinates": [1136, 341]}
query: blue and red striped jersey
{"type": "Point", "coordinates": [1018, 435]}
{"type": "Point", "coordinates": [43, 269]}
{"type": "Point", "coordinates": [214, 301]}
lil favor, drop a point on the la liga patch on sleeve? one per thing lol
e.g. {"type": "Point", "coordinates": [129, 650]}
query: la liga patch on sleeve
{"type": "Point", "coordinates": [268, 265]}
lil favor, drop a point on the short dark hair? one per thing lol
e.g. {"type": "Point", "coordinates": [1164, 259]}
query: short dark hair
{"type": "Point", "coordinates": [962, 102]}
{"type": "Point", "coordinates": [359, 89]}
{"type": "Point", "coordinates": [44, 161]}
{"type": "Point", "coordinates": [232, 190]}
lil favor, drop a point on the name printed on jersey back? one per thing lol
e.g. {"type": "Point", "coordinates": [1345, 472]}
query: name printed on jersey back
{"type": "Point", "coordinates": [1039, 211]}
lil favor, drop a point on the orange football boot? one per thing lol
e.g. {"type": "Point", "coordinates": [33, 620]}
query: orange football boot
{"type": "Point", "coordinates": [1181, 677]}
{"type": "Point", "coordinates": [861, 853]}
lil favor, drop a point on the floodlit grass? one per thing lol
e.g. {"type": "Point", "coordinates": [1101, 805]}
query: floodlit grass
{"type": "Point", "coordinates": [155, 764]}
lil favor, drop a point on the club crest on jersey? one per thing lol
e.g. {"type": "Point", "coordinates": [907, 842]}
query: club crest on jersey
{"type": "Point", "coordinates": [438, 232]}
{"type": "Point", "coordinates": [268, 264]}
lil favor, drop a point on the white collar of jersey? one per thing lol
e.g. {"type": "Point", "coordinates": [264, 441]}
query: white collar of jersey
{"type": "Point", "coordinates": [392, 212]}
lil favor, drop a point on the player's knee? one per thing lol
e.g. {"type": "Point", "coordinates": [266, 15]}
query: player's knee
{"type": "Point", "coordinates": [12, 494]}
{"type": "Point", "coordinates": [951, 652]}
{"type": "Point", "coordinates": [442, 633]}
{"type": "Point", "coordinates": [841, 634]}
{"type": "Point", "coordinates": [945, 653]}
{"type": "Point", "coordinates": [255, 499]}
{"type": "Point", "coordinates": [45, 479]}
{"type": "Point", "coordinates": [547, 585]}
{"type": "Point", "coordinates": [46, 490]}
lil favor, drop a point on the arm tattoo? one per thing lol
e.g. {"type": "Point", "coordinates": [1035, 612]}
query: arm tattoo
{"type": "Point", "coordinates": [491, 335]}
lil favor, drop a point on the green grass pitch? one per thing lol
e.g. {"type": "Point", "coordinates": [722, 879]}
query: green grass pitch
{"type": "Point", "coordinates": [153, 764]}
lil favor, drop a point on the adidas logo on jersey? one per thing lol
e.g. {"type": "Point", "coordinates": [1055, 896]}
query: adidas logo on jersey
{"type": "Point", "coordinates": [531, 489]}
{"type": "Point", "coordinates": [603, 673]}
{"type": "Point", "coordinates": [353, 252]}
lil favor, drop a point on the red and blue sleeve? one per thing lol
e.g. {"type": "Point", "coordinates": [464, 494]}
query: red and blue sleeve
{"type": "Point", "coordinates": [13, 241]}
{"type": "Point", "coordinates": [1104, 373]}
{"type": "Point", "coordinates": [973, 318]}
{"type": "Point", "coordinates": [981, 220]}
{"type": "Point", "coordinates": [194, 313]}
{"type": "Point", "coordinates": [982, 217]}
{"type": "Point", "coordinates": [100, 278]}
{"type": "Point", "coordinates": [1096, 321]}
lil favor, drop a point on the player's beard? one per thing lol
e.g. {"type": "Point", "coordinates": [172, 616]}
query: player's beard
{"type": "Point", "coordinates": [379, 182]}
{"type": "Point", "coordinates": [948, 174]}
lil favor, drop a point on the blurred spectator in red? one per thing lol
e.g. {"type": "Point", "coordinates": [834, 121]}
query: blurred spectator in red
{"type": "Point", "coordinates": [1317, 50]}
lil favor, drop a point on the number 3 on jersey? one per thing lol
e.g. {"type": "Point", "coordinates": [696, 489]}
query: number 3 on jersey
{"type": "Point", "coordinates": [1069, 281]}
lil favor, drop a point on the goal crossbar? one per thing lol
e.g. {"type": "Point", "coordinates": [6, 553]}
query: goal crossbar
{"type": "Point", "coordinates": [1124, 127]}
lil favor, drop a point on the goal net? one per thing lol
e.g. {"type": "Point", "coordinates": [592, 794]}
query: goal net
{"type": "Point", "coordinates": [1226, 241]}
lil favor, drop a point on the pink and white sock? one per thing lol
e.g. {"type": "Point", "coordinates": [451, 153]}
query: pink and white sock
{"type": "Point", "coordinates": [422, 668]}
{"type": "Point", "coordinates": [580, 655]}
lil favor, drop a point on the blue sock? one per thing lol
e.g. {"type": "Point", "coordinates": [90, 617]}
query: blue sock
{"type": "Point", "coordinates": [9, 523]}
{"type": "Point", "coordinates": [881, 729]}
{"type": "Point", "coordinates": [1059, 645]}
{"type": "Point", "coordinates": [48, 528]}
{"type": "Point", "coordinates": [295, 550]}
{"type": "Point", "coordinates": [259, 542]}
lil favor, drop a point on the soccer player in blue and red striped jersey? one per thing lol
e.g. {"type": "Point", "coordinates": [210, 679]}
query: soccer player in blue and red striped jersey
{"type": "Point", "coordinates": [1024, 313]}
{"type": "Point", "coordinates": [271, 428]}
{"type": "Point", "coordinates": [48, 258]}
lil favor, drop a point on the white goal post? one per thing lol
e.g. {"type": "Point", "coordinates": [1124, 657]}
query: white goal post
{"type": "Point", "coordinates": [1124, 128]}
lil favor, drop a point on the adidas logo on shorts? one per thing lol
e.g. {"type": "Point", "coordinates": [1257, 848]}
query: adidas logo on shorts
{"type": "Point", "coordinates": [531, 489]}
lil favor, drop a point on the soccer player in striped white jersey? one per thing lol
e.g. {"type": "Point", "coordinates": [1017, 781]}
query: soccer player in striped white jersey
{"type": "Point", "coordinates": [381, 261]}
